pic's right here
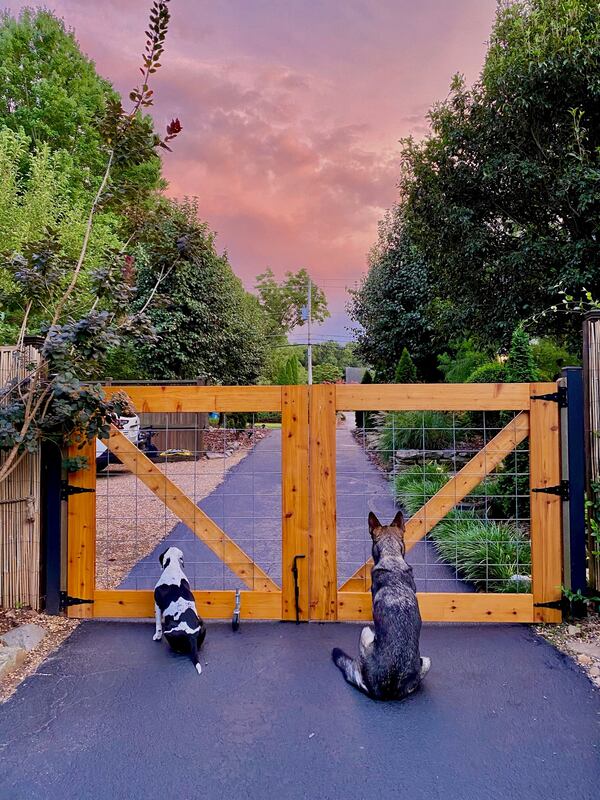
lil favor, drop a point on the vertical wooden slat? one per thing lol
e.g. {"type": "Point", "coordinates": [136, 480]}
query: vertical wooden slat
{"type": "Point", "coordinates": [294, 502]}
{"type": "Point", "coordinates": [546, 512]}
{"type": "Point", "coordinates": [322, 531]}
{"type": "Point", "coordinates": [81, 549]}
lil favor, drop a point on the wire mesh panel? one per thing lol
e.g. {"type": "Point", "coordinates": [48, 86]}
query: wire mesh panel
{"type": "Point", "coordinates": [401, 460]}
{"type": "Point", "coordinates": [218, 499]}
{"type": "Point", "coordinates": [461, 478]}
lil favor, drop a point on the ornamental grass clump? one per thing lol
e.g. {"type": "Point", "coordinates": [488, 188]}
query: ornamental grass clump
{"type": "Point", "coordinates": [495, 555]}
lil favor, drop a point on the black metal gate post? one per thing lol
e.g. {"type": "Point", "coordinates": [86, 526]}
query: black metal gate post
{"type": "Point", "coordinates": [51, 527]}
{"type": "Point", "coordinates": [573, 470]}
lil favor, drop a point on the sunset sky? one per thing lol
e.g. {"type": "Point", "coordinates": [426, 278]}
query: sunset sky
{"type": "Point", "coordinates": [291, 111]}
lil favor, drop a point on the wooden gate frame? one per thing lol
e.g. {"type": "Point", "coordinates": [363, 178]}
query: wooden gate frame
{"type": "Point", "coordinates": [269, 601]}
{"type": "Point", "coordinates": [309, 422]}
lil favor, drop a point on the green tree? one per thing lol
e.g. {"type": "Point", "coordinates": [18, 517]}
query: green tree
{"type": "Point", "coordinates": [406, 372]}
{"type": "Point", "coordinates": [327, 373]}
{"type": "Point", "coordinates": [550, 357]}
{"type": "Point", "coordinates": [520, 365]}
{"type": "Point", "coordinates": [206, 323]}
{"type": "Point", "coordinates": [502, 200]}
{"type": "Point", "coordinates": [275, 359]}
{"type": "Point", "coordinates": [492, 372]}
{"type": "Point", "coordinates": [48, 401]}
{"type": "Point", "coordinates": [458, 365]}
{"type": "Point", "coordinates": [289, 372]}
{"type": "Point", "coordinates": [37, 199]}
{"type": "Point", "coordinates": [51, 91]}
{"type": "Point", "coordinates": [284, 302]}
{"type": "Point", "coordinates": [391, 303]}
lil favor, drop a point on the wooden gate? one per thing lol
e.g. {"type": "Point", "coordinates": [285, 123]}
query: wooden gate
{"type": "Point", "coordinates": [309, 421]}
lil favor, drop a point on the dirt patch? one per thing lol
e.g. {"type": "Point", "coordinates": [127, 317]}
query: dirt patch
{"type": "Point", "coordinates": [580, 640]}
{"type": "Point", "coordinates": [58, 629]}
{"type": "Point", "coordinates": [131, 520]}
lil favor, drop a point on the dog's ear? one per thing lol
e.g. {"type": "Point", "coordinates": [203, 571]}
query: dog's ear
{"type": "Point", "coordinates": [161, 559]}
{"type": "Point", "coordinates": [398, 521]}
{"type": "Point", "coordinates": [374, 524]}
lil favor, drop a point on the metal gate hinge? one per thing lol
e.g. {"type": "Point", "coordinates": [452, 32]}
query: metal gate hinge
{"type": "Point", "coordinates": [550, 604]}
{"type": "Point", "coordinates": [560, 397]}
{"type": "Point", "coordinates": [66, 600]}
{"type": "Point", "coordinates": [66, 490]}
{"type": "Point", "coordinates": [562, 490]}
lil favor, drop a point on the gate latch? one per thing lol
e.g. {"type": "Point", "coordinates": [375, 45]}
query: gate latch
{"type": "Point", "coordinates": [66, 600]}
{"type": "Point", "coordinates": [562, 490]}
{"type": "Point", "coordinates": [296, 587]}
{"type": "Point", "coordinates": [66, 490]}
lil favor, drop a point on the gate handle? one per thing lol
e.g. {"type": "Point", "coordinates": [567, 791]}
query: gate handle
{"type": "Point", "coordinates": [296, 587]}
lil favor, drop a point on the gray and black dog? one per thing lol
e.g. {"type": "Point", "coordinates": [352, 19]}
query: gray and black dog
{"type": "Point", "coordinates": [389, 665]}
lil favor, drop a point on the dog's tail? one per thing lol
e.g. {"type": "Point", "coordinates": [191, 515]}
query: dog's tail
{"type": "Point", "coordinates": [349, 668]}
{"type": "Point", "coordinates": [195, 642]}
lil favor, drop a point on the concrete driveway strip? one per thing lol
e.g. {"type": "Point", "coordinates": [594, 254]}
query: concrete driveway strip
{"type": "Point", "coordinates": [115, 716]}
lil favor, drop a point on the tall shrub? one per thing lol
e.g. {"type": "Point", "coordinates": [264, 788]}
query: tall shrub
{"type": "Point", "coordinates": [406, 372]}
{"type": "Point", "coordinates": [520, 366]}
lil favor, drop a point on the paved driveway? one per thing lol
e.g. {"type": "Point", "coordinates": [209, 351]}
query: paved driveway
{"type": "Point", "coordinates": [247, 505]}
{"type": "Point", "coordinates": [115, 716]}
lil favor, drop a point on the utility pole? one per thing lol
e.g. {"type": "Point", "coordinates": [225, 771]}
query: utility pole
{"type": "Point", "coordinates": [309, 353]}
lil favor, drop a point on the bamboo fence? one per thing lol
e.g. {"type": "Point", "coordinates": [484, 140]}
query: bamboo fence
{"type": "Point", "coordinates": [19, 509]}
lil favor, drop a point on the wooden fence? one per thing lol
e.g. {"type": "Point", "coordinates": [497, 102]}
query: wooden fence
{"type": "Point", "coordinates": [591, 372]}
{"type": "Point", "coordinates": [19, 509]}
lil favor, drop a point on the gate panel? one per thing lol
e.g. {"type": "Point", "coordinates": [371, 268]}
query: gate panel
{"type": "Point", "coordinates": [240, 522]}
{"type": "Point", "coordinates": [454, 492]}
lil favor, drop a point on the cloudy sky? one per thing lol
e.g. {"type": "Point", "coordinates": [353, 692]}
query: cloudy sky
{"type": "Point", "coordinates": [292, 111]}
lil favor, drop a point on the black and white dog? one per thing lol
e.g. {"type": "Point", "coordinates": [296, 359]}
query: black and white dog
{"type": "Point", "coordinates": [176, 614]}
{"type": "Point", "coordinates": [389, 665]}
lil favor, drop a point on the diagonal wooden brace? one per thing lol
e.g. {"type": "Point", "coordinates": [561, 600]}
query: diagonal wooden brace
{"type": "Point", "coordinates": [455, 490]}
{"type": "Point", "coordinates": [188, 512]}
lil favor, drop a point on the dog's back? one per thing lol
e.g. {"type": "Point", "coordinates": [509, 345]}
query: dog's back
{"type": "Point", "coordinates": [389, 666]}
{"type": "Point", "coordinates": [393, 667]}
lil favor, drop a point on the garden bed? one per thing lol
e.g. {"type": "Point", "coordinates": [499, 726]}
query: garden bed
{"type": "Point", "coordinates": [580, 641]}
{"type": "Point", "coordinates": [58, 628]}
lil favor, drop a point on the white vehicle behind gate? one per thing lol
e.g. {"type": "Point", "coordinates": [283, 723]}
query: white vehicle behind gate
{"type": "Point", "coordinates": [130, 427]}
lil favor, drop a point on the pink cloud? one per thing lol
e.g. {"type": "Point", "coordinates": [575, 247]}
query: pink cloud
{"type": "Point", "coordinates": [292, 111]}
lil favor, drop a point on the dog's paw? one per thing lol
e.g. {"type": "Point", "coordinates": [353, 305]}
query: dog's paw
{"type": "Point", "coordinates": [157, 636]}
{"type": "Point", "coordinates": [198, 669]}
{"type": "Point", "coordinates": [425, 666]}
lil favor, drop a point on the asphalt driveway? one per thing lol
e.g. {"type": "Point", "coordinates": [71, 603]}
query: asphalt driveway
{"type": "Point", "coordinates": [115, 716]}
